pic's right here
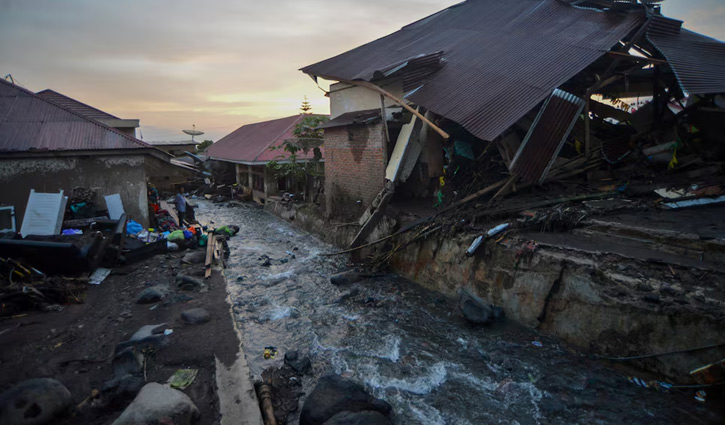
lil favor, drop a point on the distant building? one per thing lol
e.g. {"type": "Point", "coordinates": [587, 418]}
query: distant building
{"type": "Point", "coordinates": [176, 147]}
{"type": "Point", "coordinates": [50, 146]}
{"type": "Point", "coordinates": [251, 147]}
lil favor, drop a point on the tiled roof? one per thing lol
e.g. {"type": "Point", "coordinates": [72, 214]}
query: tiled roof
{"type": "Point", "coordinates": [254, 143]}
{"type": "Point", "coordinates": [28, 122]}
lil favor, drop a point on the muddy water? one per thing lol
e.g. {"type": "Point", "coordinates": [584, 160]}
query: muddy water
{"type": "Point", "coordinates": [410, 346]}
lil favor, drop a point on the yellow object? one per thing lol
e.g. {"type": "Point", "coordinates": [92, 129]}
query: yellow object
{"type": "Point", "coordinates": [578, 146]}
{"type": "Point", "coordinates": [673, 161]}
{"type": "Point", "coordinates": [442, 181]}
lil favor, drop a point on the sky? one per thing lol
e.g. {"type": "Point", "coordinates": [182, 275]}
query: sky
{"type": "Point", "coordinates": [216, 64]}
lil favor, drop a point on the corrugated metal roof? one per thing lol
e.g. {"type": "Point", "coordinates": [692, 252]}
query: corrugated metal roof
{"type": "Point", "coordinates": [697, 61]}
{"type": "Point", "coordinates": [74, 105]}
{"type": "Point", "coordinates": [500, 58]}
{"type": "Point", "coordinates": [174, 142]}
{"type": "Point", "coordinates": [30, 123]}
{"type": "Point", "coordinates": [253, 143]}
{"type": "Point", "coordinates": [546, 136]}
{"type": "Point", "coordinates": [350, 118]}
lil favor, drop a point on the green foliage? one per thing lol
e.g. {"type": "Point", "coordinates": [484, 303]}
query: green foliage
{"type": "Point", "coordinates": [308, 138]}
{"type": "Point", "coordinates": [203, 145]}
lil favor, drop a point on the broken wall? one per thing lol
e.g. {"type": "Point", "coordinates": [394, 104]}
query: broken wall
{"type": "Point", "coordinates": [124, 175]}
{"type": "Point", "coordinates": [166, 176]}
{"type": "Point", "coordinates": [354, 168]}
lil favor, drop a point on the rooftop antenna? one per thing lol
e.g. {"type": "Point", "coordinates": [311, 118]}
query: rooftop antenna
{"type": "Point", "coordinates": [193, 132]}
{"type": "Point", "coordinates": [10, 78]}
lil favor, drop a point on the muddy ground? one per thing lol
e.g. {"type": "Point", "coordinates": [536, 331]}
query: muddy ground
{"type": "Point", "coordinates": [76, 345]}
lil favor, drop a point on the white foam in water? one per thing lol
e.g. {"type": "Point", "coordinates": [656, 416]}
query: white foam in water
{"type": "Point", "coordinates": [420, 385]}
{"type": "Point", "coordinates": [351, 317]}
{"type": "Point", "coordinates": [477, 383]}
{"type": "Point", "coordinates": [427, 415]}
{"type": "Point", "coordinates": [278, 312]}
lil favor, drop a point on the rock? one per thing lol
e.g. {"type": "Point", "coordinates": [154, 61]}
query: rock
{"type": "Point", "coordinates": [358, 418]}
{"type": "Point", "coordinates": [194, 257]}
{"type": "Point", "coordinates": [334, 394]}
{"type": "Point", "coordinates": [147, 337]}
{"type": "Point", "coordinates": [345, 278]}
{"type": "Point", "coordinates": [195, 316]}
{"type": "Point", "coordinates": [651, 298]}
{"type": "Point", "coordinates": [151, 295]}
{"type": "Point", "coordinates": [35, 401]}
{"type": "Point", "coordinates": [156, 403]}
{"type": "Point", "coordinates": [474, 309]}
{"type": "Point", "coordinates": [188, 282]}
{"type": "Point", "coordinates": [118, 391]}
{"type": "Point", "coordinates": [301, 364]}
{"type": "Point", "coordinates": [127, 361]}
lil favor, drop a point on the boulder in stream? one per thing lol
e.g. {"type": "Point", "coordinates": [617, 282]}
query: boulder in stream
{"type": "Point", "coordinates": [334, 394]}
{"type": "Point", "coordinates": [345, 278]}
{"type": "Point", "coordinates": [474, 309]}
{"type": "Point", "coordinates": [358, 418]}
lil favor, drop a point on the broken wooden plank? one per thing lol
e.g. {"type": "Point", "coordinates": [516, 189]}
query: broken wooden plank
{"type": "Point", "coordinates": [390, 96]}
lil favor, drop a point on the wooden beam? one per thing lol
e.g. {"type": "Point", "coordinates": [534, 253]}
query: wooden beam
{"type": "Point", "coordinates": [626, 56]}
{"type": "Point", "coordinates": [371, 86]}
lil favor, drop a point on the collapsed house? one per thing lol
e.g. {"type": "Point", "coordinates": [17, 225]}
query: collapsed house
{"type": "Point", "coordinates": [531, 86]}
{"type": "Point", "coordinates": [250, 149]}
{"type": "Point", "coordinates": [546, 154]}
{"type": "Point", "coordinates": [50, 147]}
{"type": "Point", "coordinates": [175, 147]}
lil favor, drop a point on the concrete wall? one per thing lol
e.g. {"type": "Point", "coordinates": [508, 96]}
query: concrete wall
{"type": "Point", "coordinates": [346, 98]}
{"type": "Point", "coordinates": [125, 175]}
{"type": "Point", "coordinates": [354, 168]}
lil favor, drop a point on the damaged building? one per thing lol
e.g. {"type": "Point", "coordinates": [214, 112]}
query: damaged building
{"type": "Point", "coordinates": [546, 154]}
{"type": "Point", "coordinates": [50, 142]}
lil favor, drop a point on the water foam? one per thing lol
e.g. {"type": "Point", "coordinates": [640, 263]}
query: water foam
{"type": "Point", "coordinates": [419, 385]}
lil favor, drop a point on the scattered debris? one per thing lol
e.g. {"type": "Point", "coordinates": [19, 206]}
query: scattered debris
{"type": "Point", "coordinates": [182, 378]}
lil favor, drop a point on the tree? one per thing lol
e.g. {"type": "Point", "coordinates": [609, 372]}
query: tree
{"type": "Point", "coordinates": [203, 145]}
{"type": "Point", "coordinates": [308, 138]}
{"type": "Point", "coordinates": [306, 108]}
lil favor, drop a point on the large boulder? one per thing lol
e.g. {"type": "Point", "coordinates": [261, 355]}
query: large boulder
{"type": "Point", "coordinates": [300, 364]}
{"type": "Point", "coordinates": [34, 402]}
{"type": "Point", "coordinates": [156, 403]}
{"type": "Point", "coordinates": [194, 257]}
{"type": "Point", "coordinates": [474, 309]}
{"type": "Point", "coordinates": [358, 418]}
{"type": "Point", "coordinates": [334, 394]}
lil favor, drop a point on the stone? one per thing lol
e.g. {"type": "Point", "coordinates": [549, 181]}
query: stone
{"type": "Point", "coordinates": [358, 418]}
{"type": "Point", "coordinates": [301, 364]}
{"type": "Point", "coordinates": [345, 278]}
{"type": "Point", "coordinates": [195, 316]}
{"type": "Point", "coordinates": [147, 337]}
{"type": "Point", "coordinates": [194, 257]}
{"type": "Point", "coordinates": [334, 394]}
{"type": "Point", "coordinates": [188, 282]}
{"type": "Point", "coordinates": [157, 403]}
{"type": "Point", "coordinates": [474, 309]}
{"type": "Point", "coordinates": [34, 402]}
{"type": "Point", "coordinates": [151, 295]}
{"type": "Point", "coordinates": [118, 391]}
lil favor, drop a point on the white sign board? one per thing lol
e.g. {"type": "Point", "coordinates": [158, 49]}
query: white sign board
{"type": "Point", "coordinates": [44, 214]}
{"type": "Point", "coordinates": [115, 206]}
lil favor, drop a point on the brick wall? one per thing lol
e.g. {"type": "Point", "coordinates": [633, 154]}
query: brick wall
{"type": "Point", "coordinates": [354, 168]}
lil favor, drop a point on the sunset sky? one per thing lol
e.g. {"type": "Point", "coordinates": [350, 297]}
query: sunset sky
{"type": "Point", "coordinates": [214, 63]}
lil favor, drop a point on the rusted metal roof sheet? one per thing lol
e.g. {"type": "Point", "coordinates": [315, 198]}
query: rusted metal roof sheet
{"type": "Point", "coordinates": [697, 61]}
{"type": "Point", "coordinates": [74, 105]}
{"type": "Point", "coordinates": [255, 143]}
{"type": "Point", "coordinates": [499, 58]}
{"type": "Point", "coordinates": [30, 123]}
{"type": "Point", "coordinates": [546, 136]}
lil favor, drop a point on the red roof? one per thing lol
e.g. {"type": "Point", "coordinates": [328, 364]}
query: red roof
{"type": "Point", "coordinates": [253, 143]}
{"type": "Point", "coordinates": [30, 123]}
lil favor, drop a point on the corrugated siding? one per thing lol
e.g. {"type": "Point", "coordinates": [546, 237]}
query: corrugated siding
{"type": "Point", "coordinates": [29, 122]}
{"type": "Point", "coordinates": [697, 61]}
{"type": "Point", "coordinates": [500, 58]}
{"type": "Point", "coordinates": [546, 136]}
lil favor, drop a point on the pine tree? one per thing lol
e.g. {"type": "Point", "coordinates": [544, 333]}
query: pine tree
{"type": "Point", "coordinates": [306, 107]}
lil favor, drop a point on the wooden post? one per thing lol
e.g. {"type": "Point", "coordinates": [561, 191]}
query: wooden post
{"type": "Point", "coordinates": [385, 93]}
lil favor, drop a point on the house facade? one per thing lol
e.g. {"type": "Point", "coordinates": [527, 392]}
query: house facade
{"type": "Point", "coordinates": [48, 147]}
{"type": "Point", "coordinates": [251, 147]}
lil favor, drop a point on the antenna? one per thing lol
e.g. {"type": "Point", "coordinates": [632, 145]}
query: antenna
{"type": "Point", "coordinates": [193, 132]}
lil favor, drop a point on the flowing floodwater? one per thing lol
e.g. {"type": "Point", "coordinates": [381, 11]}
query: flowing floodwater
{"type": "Point", "coordinates": [410, 346]}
